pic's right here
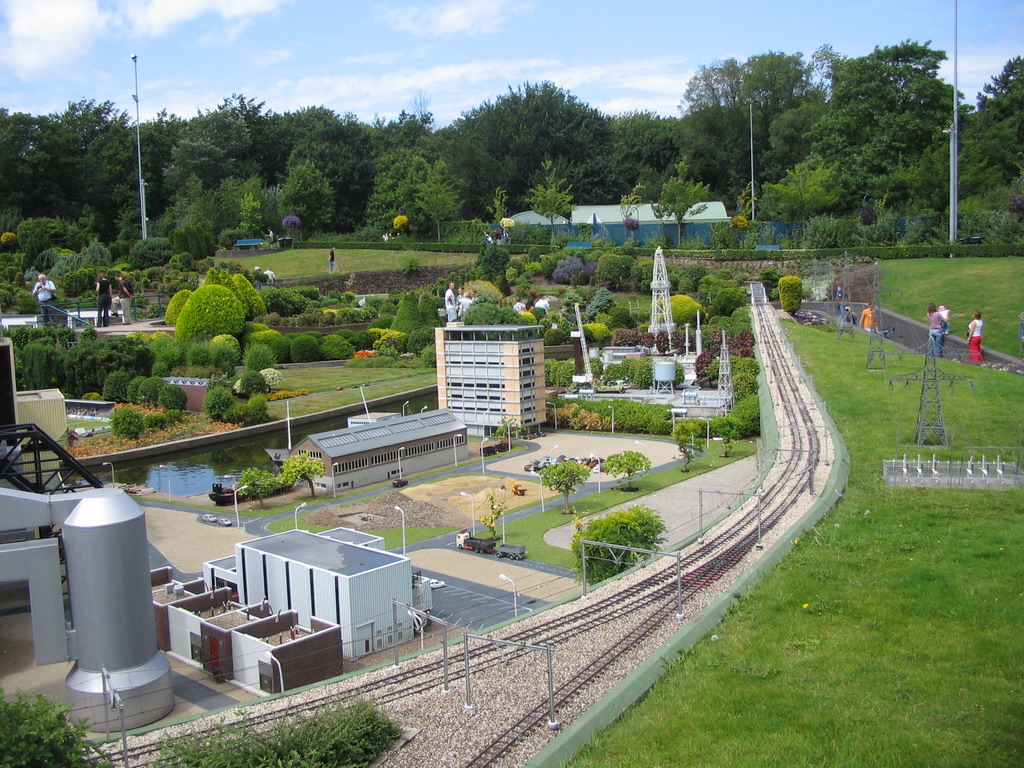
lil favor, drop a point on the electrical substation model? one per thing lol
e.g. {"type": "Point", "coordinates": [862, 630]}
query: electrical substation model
{"type": "Point", "coordinates": [464, 540]}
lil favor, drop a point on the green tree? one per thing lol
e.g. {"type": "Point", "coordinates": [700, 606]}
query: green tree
{"type": "Point", "coordinates": [637, 526]}
{"type": "Point", "coordinates": [437, 197]}
{"type": "Point", "coordinates": [627, 465]}
{"type": "Point", "coordinates": [498, 205]}
{"type": "Point", "coordinates": [251, 219]}
{"type": "Point", "coordinates": [685, 432]}
{"type": "Point", "coordinates": [259, 482]}
{"type": "Point", "coordinates": [564, 477]}
{"type": "Point", "coordinates": [210, 310]}
{"type": "Point", "coordinates": [806, 190]}
{"type": "Point", "coordinates": [302, 466]}
{"type": "Point", "coordinates": [493, 261]}
{"type": "Point", "coordinates": [552, 197]}
{"type": "Point", "coordinates": [38, 365]}
{"type": "Point", "coordinates": [680, 198]}
{"type": "Point", "coordinates": [307, 193]}
{"type": "Point", "coordinates": [886, 109]}
{"type": "Point", "coordinates": [37, 732]}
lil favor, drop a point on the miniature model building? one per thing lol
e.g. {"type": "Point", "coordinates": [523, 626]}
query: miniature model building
{"type": "Point", "coordinates": [385, 450]}
{"type": "Point", "coordinates": [486, 373]}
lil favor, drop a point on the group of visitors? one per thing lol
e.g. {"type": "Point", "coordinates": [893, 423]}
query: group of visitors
{"type": "Point", "coordinates": [938, 329]}
{"type": "Point", "coordinates": [110, 297]}
{"type": "Point", "coordinates": [457, 303]}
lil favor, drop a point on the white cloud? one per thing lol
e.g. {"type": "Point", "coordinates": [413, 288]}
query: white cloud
{"type": "Point", "coordinates": [453, 17]}
{"type": "Point", "coordinates": [49, 36]}
{"type": "Point", "coordinates": [156, 17]}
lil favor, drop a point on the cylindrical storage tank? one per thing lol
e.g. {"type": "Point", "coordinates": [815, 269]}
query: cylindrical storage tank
{"type": "Point", "coordinates": [665, 371]}
{"type": "Point", "coordinates": [107, 556]}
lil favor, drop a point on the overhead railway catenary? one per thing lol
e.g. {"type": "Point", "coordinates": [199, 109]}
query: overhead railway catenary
{"type": "Point", "coordinates": [596, 641]}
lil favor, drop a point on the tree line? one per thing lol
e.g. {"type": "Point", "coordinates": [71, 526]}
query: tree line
{"type": "Point", "coordinates": [831, 135]}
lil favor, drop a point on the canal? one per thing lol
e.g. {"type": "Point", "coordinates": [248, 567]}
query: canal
{"type": "Point", "coordinates": [191, 472]}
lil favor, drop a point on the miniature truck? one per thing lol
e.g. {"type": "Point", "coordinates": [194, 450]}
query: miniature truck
{"type": "Point", "coordinates": [464, 540]}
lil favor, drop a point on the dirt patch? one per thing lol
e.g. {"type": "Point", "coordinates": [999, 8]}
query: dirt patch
{"type": "Point", "coordinates": [437, 504]}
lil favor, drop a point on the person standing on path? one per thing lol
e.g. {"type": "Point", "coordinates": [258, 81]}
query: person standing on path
{"type": "Point", "coordinates": [45, 291]}
{"type": "Point", "coordinates": [974, 333]}
{"type": "Point", "coordinates": [104, 298]}
{"type": "Point", "coordinates": [125, 294]}
{"type": "Point", "coordinates": [330, 261]}
{"type": "Point", "coordinates": [935, 335]}
{"type": "Point", "coordinates": [868, 318]}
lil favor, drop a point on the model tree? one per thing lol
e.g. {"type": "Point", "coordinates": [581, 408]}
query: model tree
{"type": "Point", "coordinates": [302, 466]}
{"type": "Point", "coordinates": [552, 197]}
{"type": "Point", "coordinates": [638, 526]}
{"type": "Point", "coordinates": [684, 433]}
{"type": "Point", "coordinates": [564, 477]}
{"type": "Point", "coordinates": [625, 466]}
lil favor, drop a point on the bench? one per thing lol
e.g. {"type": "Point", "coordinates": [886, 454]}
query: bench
{"type": "Point", "coordinates": [766, 247]}
{"type": "Point", "coordinates": [254, 243]}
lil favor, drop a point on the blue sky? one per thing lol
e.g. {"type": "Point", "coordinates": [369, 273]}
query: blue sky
{"type": "Point", "coordinates": [375, 59]}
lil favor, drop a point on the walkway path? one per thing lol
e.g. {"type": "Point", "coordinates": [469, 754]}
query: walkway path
{"type": "Point", "coordinates": [680, 505]}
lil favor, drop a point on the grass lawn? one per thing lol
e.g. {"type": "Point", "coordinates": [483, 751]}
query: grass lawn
{"type": "Point", "coordinates": [991, 286]}
{"type": "Point", "coordinates": [324, 382]}
{"type": "Point", "coordinates": [909, 651]}
{"type": "Point", "coordinates": [300, 262]}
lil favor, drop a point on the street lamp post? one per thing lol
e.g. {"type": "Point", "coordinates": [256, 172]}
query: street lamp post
{"type": "Point", "coordinates": [138, 148]}
{"type": "Point", "coordinates": [642, 446]}
{"type": "Point", "coordinates": [515, 593]}
{"type": "Point", "coordinates": [402, 513]}
{"type": "Point", "coordinates": [403, 407]}
{"type": "Point", "coordinates": [542, 492]}
{"type": "Point", "coordinates": [297, 514]}
{"type": "Point", "coordinates": [598, 471]}
{"type": "Point", "coordinates": [164, 466]}
{"type": "Point", "coordinates": [238, 519]}
{"type": "Point", "coordinates": [401, 450]}
{"type": "Point", "coordinates": [482, 470]}
{"type": "Point", "coordinates": [612, 407]}
{"type": "Point", "coordinates": [106, 464]}
{"type": "Point", "coordinates": [472, 513]}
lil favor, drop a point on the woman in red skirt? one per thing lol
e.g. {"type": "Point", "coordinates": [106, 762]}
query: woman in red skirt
{"type": "Point", "coordinates": [974, 338]}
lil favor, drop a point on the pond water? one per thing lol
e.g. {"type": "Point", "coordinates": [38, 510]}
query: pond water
{"type": "Point", "coordinates": [192, 472]}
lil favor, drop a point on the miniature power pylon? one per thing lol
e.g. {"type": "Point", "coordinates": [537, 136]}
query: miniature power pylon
{"type": "Point", "coordinates": [661, 305]}
{"type": "Point", "coordinates": [725, 392]}
{"type": "Point", "coordinates": [931, 423]}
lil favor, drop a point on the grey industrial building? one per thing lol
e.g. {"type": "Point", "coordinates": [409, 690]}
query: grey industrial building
{"type": "Point", "coordinates": [384, 450]}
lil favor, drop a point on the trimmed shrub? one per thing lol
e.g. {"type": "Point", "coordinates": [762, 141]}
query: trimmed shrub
{"type": "Point", "coordinates": [172, 397]}
{"type": "Point", "coordinates": [151, 252]}
{"type": "Point", "coordinates": [251, 383]}
{"type": "Point", "coordinates": [258, 357]}
{"type": "Point", "coordinates": [336, 348]}
{"type": "Point", "coordinates": [217, 401]}
{"type": "Point", "coordinates": [684, 310]}
{"type": "Point", "coordinates": [127, 422]}
{"type": "Point", "coordinates": [791, 292]}
{"type": "Point", "coordinates": [281, 346]}
{"type": "Point", "coordinates": [210, 310]}
{"type": "Point", "coordinates": [250, 298]}
{"type": "Point", "coordinates": [38, 365]}
{"type": "Point", "coordinates": [554, 337]}
{"type": "Point", "coordinates": [155, 420]}
{"type": "Point", "coordinates": [272, 376]}
{"type": "Point", "coordinates": [224, 357]}
{"type": "Point", "coordinates": [305, 348]}
{"type": "Point", "coordinates": [175, 305]}
{"type": "Point", "coordinates": [115, 387]}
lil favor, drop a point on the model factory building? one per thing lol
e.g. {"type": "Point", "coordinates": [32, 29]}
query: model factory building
{"type": "Point", "coordinates": [326, 577]}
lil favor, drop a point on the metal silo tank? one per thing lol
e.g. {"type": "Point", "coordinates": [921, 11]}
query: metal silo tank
{"type": "Point", "coordinates": [107, 557]}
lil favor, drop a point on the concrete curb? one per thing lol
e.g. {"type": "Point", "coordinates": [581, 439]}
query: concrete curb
{"type": "Point", "coordinates": [582, 731]}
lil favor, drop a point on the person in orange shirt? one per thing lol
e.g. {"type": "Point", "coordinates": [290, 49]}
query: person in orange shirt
{"type": "Point", "coordinates": [869, 318]}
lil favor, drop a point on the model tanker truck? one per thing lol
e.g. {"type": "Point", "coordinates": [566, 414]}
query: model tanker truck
{"type": "Point", "coordinates": [465, 540]}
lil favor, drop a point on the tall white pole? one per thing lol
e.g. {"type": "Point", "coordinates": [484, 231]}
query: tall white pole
{"type": "Point", "coordinates": [954, 142]}
{"type": "Point", "coordinates": [138, 149]}
{"type": "Point", "coordinates": [288, 421]}
{"type": "Point", "coordinates": [753, 204]}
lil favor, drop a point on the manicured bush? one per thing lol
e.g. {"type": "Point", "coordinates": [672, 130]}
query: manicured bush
{"type": "Point", "coordinates": [115, 387]}
{"type": "Point", "coordinates": [210, 310]}
{"type": "Point", "coordinates": [175, 305]}
{"type": "Point", "coordinates": [281, 346]}
{"type": "Point", "coordinates": [38, 365]}
{"type": "Point", "coordinates": [305, 348]}
{"type": "Point", "coordinates": [791, 292]}
{"type": "Point", "coordinates": [149, 390]}
{"type": "Point", "coordinates": [224, 357]}
{"type": "Point", "coordinates": [285, 301]}
{"type": "Point", "coordinates": [259, 356]}
{"type": "Point", "coordinates": [173, 397]}
{"type": "Point", "coordinates": [684, 310]}
{"type": "Point", "coordinates": [250, 298]}
{"type": "Point", "coordinates": [251, 383]}
{"type": "Point", "coordinates": [336, 348]}
{"type": "Point", "coordinates": [597, 333]}
{"type": "Point", "coordinates": [154, 420]}
{"type": "Point", "coordinates": [554, 337]}
{"type": "Point", "coordinates": [217, 401]}
{"type": "Point", "coordinates": [747, 412]}
{"type": "Point", "coordinates": [127, 421]}
{"type": "Point", "coordinates": [37, 732]}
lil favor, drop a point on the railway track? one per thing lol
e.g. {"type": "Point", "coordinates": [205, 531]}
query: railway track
{"type": "Point", "coordinates": [597, 641]}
